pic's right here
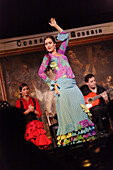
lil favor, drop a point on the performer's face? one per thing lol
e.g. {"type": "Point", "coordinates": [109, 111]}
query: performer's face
{"type": "Point", "coordinates": [91, 83]}
{"type": "Point", "coordinates": [25, 91]}
{"type": "Point", "coordinates": [50, 45]}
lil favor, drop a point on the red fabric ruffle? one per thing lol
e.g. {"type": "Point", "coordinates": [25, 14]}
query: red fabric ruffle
{"type": "Point", "coordinates": [36, 134]}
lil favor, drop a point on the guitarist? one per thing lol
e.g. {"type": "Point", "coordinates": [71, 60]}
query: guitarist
{"type": "Point", "coordinates": [100, 110]}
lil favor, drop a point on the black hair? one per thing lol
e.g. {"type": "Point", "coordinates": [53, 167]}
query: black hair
{"type": "Point", "coordinates": [21, 86]}
{"type": "Point", "coordinates": [51, 37]}
{"type": "Point", "coordinates": [88, 76]}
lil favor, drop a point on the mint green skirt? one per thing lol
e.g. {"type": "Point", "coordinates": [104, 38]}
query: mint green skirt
{"type": "Point", "coordinates": [71, 117]}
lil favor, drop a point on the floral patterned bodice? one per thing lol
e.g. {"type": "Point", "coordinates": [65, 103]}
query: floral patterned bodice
{"type": "Point", "coordinates": [59, 64]}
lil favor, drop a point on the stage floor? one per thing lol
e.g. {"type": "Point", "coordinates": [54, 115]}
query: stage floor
{"type": "Point", "coordinates": [90, 155]}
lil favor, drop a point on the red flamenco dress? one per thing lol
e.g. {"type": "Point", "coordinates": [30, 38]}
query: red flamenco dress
{"type": "Point", "coordinates": [34, 128]}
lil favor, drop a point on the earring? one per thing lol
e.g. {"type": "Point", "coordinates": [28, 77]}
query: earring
{"type": "Point", "coordinates": [20, 94]}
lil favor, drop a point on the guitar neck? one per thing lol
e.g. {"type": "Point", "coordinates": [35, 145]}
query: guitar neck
{"type": "Point", "coordinates": [99, 95]}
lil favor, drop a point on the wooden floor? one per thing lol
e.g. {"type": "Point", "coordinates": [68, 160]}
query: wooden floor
{"type": "Point", "coordinates": [94, 155]}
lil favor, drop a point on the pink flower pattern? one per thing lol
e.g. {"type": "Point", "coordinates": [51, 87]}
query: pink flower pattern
{"type": "Point", "coordinates": [62, 68]}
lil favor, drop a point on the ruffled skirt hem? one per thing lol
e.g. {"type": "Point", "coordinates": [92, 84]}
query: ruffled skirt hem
{"type": "Point", "coordinates": [36, 134]}
{"type": "Point", "coordinates": [83, 134]}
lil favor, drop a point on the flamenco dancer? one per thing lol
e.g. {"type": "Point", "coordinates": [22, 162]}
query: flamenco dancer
{"type": "Point", "coordinates": [34, 128]}
{"type": "Point", "coordinates": [74, 126]}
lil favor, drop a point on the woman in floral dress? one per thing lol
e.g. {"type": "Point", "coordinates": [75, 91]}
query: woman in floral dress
{"type": "Point", "coordinates": [74, 126]}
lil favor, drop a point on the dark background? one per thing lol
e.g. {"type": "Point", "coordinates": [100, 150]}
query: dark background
{"type": "Point", "coordinates": [24, 17]}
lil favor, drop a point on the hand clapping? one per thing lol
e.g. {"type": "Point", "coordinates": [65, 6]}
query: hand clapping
{"type": "Point", "coordinates": [31, 108]}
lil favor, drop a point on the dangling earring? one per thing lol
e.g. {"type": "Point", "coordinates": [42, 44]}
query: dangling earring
{"type": "Point", "coordinates": [20, 94]}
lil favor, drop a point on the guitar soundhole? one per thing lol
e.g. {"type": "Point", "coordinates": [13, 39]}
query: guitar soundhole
{"type": "Point", "coordinates": [90, 100]}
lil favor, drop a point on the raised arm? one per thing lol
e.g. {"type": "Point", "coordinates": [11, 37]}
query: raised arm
{"type": "Point", "coordinates": [62, 36]}
{"type": "Point", "coordinates": [54, 24]}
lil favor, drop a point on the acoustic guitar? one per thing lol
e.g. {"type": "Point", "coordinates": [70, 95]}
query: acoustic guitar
{"type": "Point", "coordinates": [92, 99]}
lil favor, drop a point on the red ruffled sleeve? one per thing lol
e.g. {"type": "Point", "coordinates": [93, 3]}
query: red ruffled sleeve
{"type": "Point", "coordinates": [18, 104]}
{"type": "Point", "coordinates": [38, 108]}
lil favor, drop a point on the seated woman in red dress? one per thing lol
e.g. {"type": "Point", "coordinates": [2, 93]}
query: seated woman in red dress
{"type": "Point", "coordinates": [34, 128]}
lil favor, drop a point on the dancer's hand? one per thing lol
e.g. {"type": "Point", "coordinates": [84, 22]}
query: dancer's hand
{"type": "Point", "coordinates": [31, 108]}
{"type": "Point", "coordinates": [52, 22]}
{"type": "Point", "coordinates": [56, 88]}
